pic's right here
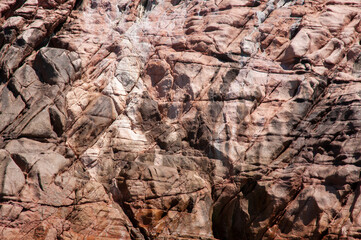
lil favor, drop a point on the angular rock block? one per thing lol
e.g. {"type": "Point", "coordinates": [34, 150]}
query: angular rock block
{"type": "Point", "coordinates": [12, 179]}
{"type": "Point", "coordinates": [57, 66]}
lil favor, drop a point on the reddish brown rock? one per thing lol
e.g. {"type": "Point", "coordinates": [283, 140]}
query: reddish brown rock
{"type": "Point", "coordinates": [175, 119]}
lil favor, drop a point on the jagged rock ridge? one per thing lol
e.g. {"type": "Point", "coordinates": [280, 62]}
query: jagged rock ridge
{"type": "Point", "coordinates": [180, 119]}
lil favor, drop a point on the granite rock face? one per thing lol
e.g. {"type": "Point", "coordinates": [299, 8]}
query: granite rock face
{"type": "Point", "coordinates": [180, 119]}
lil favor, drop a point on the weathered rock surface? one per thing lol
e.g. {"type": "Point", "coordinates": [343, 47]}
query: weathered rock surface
{"type": "Point", "coordinates": [180, 119]}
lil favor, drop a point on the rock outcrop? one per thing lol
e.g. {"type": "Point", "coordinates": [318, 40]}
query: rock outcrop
{"type": "Point", "coordinates": [180, 119]}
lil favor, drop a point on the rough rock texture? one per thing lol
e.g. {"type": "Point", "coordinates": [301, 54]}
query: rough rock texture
{"type": "Point", "coordinates": [180, 119]}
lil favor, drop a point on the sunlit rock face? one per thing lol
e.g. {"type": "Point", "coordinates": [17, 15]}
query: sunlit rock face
{"type": "Point", "coordinates": [180, 119]}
